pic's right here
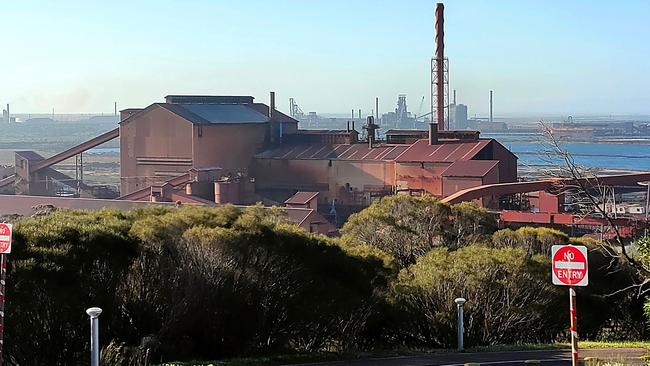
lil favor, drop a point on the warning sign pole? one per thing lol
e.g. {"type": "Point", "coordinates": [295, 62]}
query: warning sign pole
{"type": "Point", "coordinates": [574, 326]}
{"type": "Point", "coordinates": [3, 277]}
{"type": "Point", "coordinates": [570, 268]}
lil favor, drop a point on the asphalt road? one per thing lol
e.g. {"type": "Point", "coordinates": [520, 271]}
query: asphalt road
{"type": "Point", "coordinates": [631, 356]}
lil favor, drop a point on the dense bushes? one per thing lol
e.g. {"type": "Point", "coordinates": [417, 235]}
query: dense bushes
{"type": "Point", "coordinates": [510, 297]}
{"type": "Point", "coordinates": [188, 283]}
{"type": "Point", "coordinates": [180, 283]}
{"type": "Point", "coordinates": [408, 227]}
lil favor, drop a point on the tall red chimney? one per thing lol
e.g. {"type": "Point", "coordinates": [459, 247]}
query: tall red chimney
{"type": "Point", "coordinates": [440, 65]}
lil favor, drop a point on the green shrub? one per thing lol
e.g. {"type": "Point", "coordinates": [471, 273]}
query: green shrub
{"type": "Point", "coordinates": [509, 297]}
{"type": "Point", "coordinates": [179, 283]}
{"type": "Point", "coordinates": [407, 227]}
{"type": "Point", "coordinates": [533, 240]}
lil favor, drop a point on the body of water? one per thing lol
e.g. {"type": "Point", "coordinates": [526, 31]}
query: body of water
{"type": "Point", "coordinates": [615, 156]}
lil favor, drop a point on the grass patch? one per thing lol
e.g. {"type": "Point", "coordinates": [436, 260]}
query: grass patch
{"type": "Point", "coordinates": [617, 344]}
{"type": "Point", "coordinates": [323, 357]}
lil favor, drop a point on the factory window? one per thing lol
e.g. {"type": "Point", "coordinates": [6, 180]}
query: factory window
{"type": "Point", "coordinates": [200, 131]}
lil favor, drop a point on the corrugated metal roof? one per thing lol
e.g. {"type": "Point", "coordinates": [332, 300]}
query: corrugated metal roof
{"type": "Point", "coordinates": [218, 113]}
{"type": "Point", "coordinates": [334, 152]}
{"type": "Point", "coordinates": [470, 168]}
{"type": "Point", "coordinates": [226, 113]}
{"type": "Point", "coordinates": [301, 198]}
{"type": "Point", "coordinates": [277, 115]}
{"type": "Point", "coordinates": [446, 152]}
{"type": "Point", "coordinates": [406, 132]}
{"type": "Point", "coordinates": [420, 151]}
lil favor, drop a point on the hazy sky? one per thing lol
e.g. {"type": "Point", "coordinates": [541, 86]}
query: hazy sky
{"type": "Point", "coordinates": [540, 57]}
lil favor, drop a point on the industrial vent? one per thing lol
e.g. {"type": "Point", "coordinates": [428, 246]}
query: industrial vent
{"type": "Point", "coordinates": [208, 99]}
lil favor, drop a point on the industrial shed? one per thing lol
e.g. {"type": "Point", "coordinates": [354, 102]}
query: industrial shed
{"type": "Point", "coordinates": [167, 139]}
{"type": "Point", "coordinates": [353, 174]}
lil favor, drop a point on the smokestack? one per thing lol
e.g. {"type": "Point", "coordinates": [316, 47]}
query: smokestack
{"type": "Point", "coordinates": [433, 133]}
{"type": "Point", "coordinates": [272, 105]}
{"type": "Point", "coordinates": [454, 96]}
{"type": "Point", "coordinates": [359, 114]}
{"type": "Point", "coordinates": [115, 110]}
{"type": "Point", "coordinates": [352, 125]}
{"type": "Point", "coordinates": [352, 113]}
{"type": "Point", "coordinates": [370, 127]}
{"type": "Point", "coordinates": [8, 114]}
{"type": "Point", "coordinates": [491, 120]}
{"type": "Point", "coordinates": [377, 109]}
{"type": "Point", "coordinates": [440, 65]}
{"type": "Point", "coordinates": [349, 125]}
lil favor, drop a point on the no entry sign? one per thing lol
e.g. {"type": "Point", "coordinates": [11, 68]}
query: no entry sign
{"type": "Point", "coordinates": [5, 238]}
{"type": "Point", "coordinates": [570, 265]}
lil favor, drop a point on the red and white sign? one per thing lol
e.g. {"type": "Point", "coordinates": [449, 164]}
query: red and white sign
{"type": "Point", "coordinates": [5, 238]}
{"type": "Point", "coordinates": [570, 265]}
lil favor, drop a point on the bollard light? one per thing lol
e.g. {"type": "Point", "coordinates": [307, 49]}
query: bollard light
{"type": "Point", "coordinates": [460, 326]}
{"type": "Point", "coordinates": [94, 335]}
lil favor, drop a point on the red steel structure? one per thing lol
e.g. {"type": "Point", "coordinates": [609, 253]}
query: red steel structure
{"type": "Point", "coordinates": [439, 74]}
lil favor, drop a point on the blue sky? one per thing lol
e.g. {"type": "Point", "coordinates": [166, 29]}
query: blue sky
{"type": "Point", "coordinates": [540, 57]}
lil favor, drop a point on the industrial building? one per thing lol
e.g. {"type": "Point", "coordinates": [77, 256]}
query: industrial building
{"type": "Point", "coordinates": [214, 143]}
{"type": "Point", "coordinates": [230, 149]}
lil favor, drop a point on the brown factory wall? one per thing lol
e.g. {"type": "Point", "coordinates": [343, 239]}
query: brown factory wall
{"type": "Point", "coordinates": [334, 179]}
{"type": "Point", "coordinates": [228, 146]}
{"type": "Point", "coordinates": [452, 185]}
{"type": "Point", "coordinates": [424, 176]}
{"type": "Point", "coordinates": [153, 144]}
{"type": "Point", "coordinates": [507, 163]}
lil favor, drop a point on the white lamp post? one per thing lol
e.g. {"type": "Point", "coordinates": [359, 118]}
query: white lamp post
{"type": "Point", "coordinates": [461, 327]}
{"type": "Point", "coordinates": [94, 335]}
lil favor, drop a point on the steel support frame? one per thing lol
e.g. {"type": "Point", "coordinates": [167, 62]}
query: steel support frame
{"type": "Point", "coordinates": [435, 92]}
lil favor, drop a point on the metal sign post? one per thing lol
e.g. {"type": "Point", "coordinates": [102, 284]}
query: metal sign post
{"type": "Point", "coordinates": [570, 268]}
{"type": "Point", "coordinates": [574, 326]}
{"type": "Point", "coordinates": [5, 248]}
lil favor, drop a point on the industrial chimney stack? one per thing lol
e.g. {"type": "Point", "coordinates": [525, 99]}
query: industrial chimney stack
{"type": "Point", "coordinates": [438, 79]}
{"type": "Point", "coordinates": [491, 120]}
{"type": "Point", "coordinates": [272, 105]}
{"type": "Point", "coordinates": [433, 133]}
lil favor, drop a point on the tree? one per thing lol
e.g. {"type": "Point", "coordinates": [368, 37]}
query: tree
{"type": "Point", "coordinates": [407, 227]}
{"type": "Point", "coordinates": [533, 240]}
{"type": "Point", "coordinates": [510, 298]}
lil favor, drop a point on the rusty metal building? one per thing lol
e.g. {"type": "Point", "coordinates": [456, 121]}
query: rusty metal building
{"type": "Point", "coordinates": [167, 139]}
{"type": "Point", "coordinates": [230, 149]}
{"type": "Point", "coordinates": [232, 143]}
{"type": "Point", "coordinates": [354, 174]}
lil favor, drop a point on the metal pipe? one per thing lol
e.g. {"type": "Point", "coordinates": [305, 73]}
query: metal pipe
{"type": "Point", "coordinates": [460, 322]}
{"type": "Point", "coordinates": [491, 120]}
{"type": "Point", "coordinates": [440, 65]}
{"type": "Point", "coordinates": [377, 109]}
{"type": "Point", "coordinates": [3, 293]}
{"type": "Point", "coordinates": [647, 200]}
{"type": "Point", "coordinates": [574, 326]}
{"type": "Point", "coordinates": [94, 335]}
{"type": "Point", "coordinates": [433, 133]}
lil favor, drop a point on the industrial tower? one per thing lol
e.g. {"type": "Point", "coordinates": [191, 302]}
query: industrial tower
{"type": "Point", "coordinates": [439, 73]}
